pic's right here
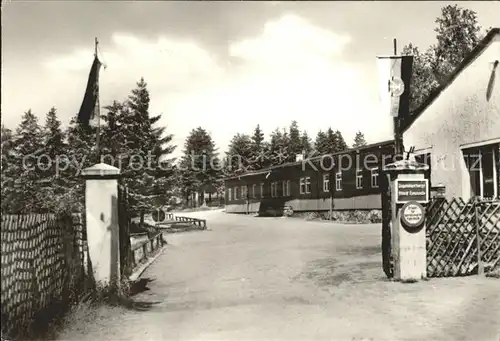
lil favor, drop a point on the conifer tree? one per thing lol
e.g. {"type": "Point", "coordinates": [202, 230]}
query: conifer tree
{"type": "Point", "coordinates": [321, 143]}
{"type": "Point", "coordinates": [295, 145]}
{"type": "Point", "coordinates": [339, 143]}
{"type": "Point", "coordinates": [8, 161]}
{"type": "Point", "coordinates": [359, 140]}
{"type": "Point", "coordinates": [306, 143]}
{"type": "Point", "coordinates": [200, 166]}
{"type": "Point", "coordinates": [259, 149]}
{"type": "Point", "coordinates": [27, 147]}
{"type": "Point", "coordinates": [240, 155]}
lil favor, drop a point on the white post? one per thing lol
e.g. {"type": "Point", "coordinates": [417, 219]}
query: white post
{"type": "Point", "coordinates": [101, 210]}
{"type": "Point", "coordinates": [409, 196]}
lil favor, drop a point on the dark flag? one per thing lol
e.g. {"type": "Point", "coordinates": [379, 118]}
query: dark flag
{"type": "Point", "coordinates": [88, 108]}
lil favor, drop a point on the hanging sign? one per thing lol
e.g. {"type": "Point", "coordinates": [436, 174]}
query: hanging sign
{"type": "Point", "coordinates": [412, 190]}
{"type": "Point", "coordinates": [412, 216]}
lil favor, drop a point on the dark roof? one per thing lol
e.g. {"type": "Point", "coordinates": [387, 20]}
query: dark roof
{"type": "Point", "coordinates": [406, 124]}
{"type": "Point", "coordinates": [315, 158]}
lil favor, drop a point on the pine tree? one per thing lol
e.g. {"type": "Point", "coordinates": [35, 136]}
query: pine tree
{"type": "Point", "coordinates": [112, 135]}
{"type": "Point", "coordinates": [321, 143]}
{"type": "Point", "coordinates": [8, 161]}
{"type": "Point", "coordinates": [54, 168]}
{"type": "Point", "coordinates": [240, 155]}
{"type": "Point", "coordinates": [295, 145]}
{"type": "Point", "coordinates": [331, 141]}
{"type": "Point", "coordinates": [305, 143]}
{"type": "Point", "coordinates": [200, 164]}
{"type": "Point", "coordinates": [259, 148]}
{"type": "Point", "coordinates": [27, 147]}
{"type": "Point", "coordinates": [339, 145]}
{"type": "Point", "coordinates": [359, 140]}
{"type": "Point", "coordinates": [81, 154]}
{"type": "Point", "coordinates": [140, 149]}
{"type": "Point", "coordinates": [278, 147]}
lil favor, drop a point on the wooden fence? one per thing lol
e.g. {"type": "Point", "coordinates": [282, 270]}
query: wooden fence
{"type": "Point", "coordinates": [42, 269]}
{"type": "Point", "coordinates": [141, 252]}
{"type": "Point", "coordinates": [200, 223]}
{"type": "Point", "coordinates": [463, 238]}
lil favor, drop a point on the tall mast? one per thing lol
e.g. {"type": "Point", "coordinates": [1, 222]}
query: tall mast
{"type": "Point", "coordinates": [398, 140]}
{"type": "Point", "coordinates": [97, 111]}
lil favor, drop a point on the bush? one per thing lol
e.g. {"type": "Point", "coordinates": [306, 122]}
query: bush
{"type": "Point", "coordinates": [375, 216]}
{"type": "Point", "coordinates": [312, 216]}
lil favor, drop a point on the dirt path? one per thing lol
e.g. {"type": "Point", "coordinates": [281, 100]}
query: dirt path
{"type": "Point", "coordinates": [275, 279]}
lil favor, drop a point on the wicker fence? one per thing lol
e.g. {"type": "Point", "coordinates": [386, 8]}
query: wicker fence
{"type": "Point", "coordinates": [463, 238]}
{"type": "Point", "coordinates": [42, 269]}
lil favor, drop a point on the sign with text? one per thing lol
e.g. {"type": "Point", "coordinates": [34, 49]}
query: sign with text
{"type": "Point", "coordinates": [413, 216]}
{"type": "Point", "coordinates": [412, 190]}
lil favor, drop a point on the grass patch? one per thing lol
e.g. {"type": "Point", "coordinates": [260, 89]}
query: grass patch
{"type": "Point", "coordinates": [86, 310]}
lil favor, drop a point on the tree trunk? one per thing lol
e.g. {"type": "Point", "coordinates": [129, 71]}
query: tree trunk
{"type": "Point", "coordinates": [202, 198]}
{"type": "Point", "coordinates": [142, 218]}
{"type": "Point", "coordinates": [387, 261]}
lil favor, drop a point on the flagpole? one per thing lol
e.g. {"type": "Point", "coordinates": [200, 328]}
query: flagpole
{"type": "Point", "coordinates": [98, 113]}
{"type": "Point", "coordinates": [398, 141]}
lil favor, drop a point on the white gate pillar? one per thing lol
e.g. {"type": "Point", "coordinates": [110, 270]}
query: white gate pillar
{"type": "Point", "coordinates": [409, 197]}
{"type": "Point", "coordinates": [101, 211]}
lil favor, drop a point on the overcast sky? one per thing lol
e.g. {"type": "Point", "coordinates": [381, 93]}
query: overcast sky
{"type": "Point", "coordinates": [225, 66]}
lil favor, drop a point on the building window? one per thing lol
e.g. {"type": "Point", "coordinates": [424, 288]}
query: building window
{"type": "Point", "coordinates": [305, 185]}
{"type": "Point", "coordinates": [286, 188]}
{"type": "Point", "coordinates": [359, 178]}
{"type": "Point", "coordinates": [326, 182]}
{"type": "Point", "coordinates": [229, 194]}
{"type": "Point", "coordinates": [254, 187]}
{"type": "Point", "coordinates": [274, 189]}
{"type": "Point", "coordinates": [235, 193]}
{"type": "Point", "coordinates": [244, 190]}
{"type": "Point", "coordinates": [338, 181]}
{"type": "Point", "coordinates": [483, 167]}
{"type": "Point", "coordinates": [375, 178]}
{"type": "Point", "coordinates": [262, 190]}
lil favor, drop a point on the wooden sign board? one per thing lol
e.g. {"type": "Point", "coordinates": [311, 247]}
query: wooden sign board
{"type": "Point", "coordinates": [412, 190]}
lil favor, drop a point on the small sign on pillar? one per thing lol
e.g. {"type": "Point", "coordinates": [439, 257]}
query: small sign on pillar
{"type": "Point", "coordinates": [412, 217]}
{"type": "Point", "coordinates": [412, 190]}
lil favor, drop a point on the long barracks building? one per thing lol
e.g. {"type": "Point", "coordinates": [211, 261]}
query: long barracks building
{"type": "Point", "coordinates": [341, 181]}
